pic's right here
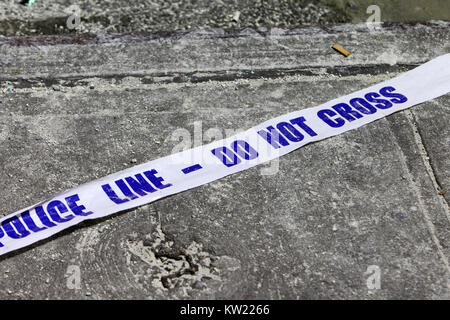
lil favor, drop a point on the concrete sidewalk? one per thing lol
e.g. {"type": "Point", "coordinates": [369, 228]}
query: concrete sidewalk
{"type": "Point", "coordinates": [76, 108]}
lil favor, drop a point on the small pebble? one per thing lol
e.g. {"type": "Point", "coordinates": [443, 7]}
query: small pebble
{"type": "Point", "coordinates": [147, 243]}
{"type": "Point", "coordinates": [56, 88]}
{"type": "Point", "coordinates": [236, 16]}
{"type": "Point", "coordinates": [91, 86]}
{"type": "Point", "coordinates": [198, 285]}
{"type": "Point", "coordinates": [133, 160]}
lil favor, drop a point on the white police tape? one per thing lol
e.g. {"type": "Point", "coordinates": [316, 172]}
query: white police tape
{"type": "Point", "coordinates": [162, 177]}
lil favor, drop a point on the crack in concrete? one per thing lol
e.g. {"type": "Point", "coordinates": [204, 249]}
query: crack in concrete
{"type": "Point", "coordinates": [426, 160]}
{"type": "Point", "coordinates": [416, 190]}
{"type": "Point", "coordinates": [207, 76]}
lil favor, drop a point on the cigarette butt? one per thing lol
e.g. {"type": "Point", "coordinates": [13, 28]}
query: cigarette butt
{"type": "Point", "coordinates": [340, 49]}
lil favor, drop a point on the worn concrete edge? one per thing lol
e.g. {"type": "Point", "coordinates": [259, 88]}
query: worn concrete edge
{"type": "Point", "coordinates": [175, 35]}
{"type": "Point", "coordinates": [68, 80]}
{"type": "Point", "coordinates": [297, 50]}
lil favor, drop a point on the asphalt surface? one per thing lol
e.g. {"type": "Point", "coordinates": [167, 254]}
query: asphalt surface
{"type": "Point", "coordinates": [78, 107]}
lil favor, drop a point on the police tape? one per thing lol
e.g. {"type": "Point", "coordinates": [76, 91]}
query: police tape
{"type": "Point", "coordinates": [188, 169]}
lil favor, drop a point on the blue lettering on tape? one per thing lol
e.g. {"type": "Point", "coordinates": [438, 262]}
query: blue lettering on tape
{"type": "Point", "coordinates": [286, 132]}
{"type": "Point", "coordinates": [134, 187]}
{"type": "Point", "coordinates": [358, 107]}
{"type": "Point", "coordinates": [190, 169]}
{"type": "Point", "coordinates": [240, 150]}
{"type": "Point", "coordinates": [38, 219]}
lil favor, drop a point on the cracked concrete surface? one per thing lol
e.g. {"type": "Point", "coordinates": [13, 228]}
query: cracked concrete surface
{"type": "Point", "coordinates": [373, 196]}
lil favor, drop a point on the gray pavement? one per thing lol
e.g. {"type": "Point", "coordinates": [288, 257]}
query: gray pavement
{"type": "Point", "coordinates": [75, 108]}
{"type": "Point", "coordinates": [113, 16]}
